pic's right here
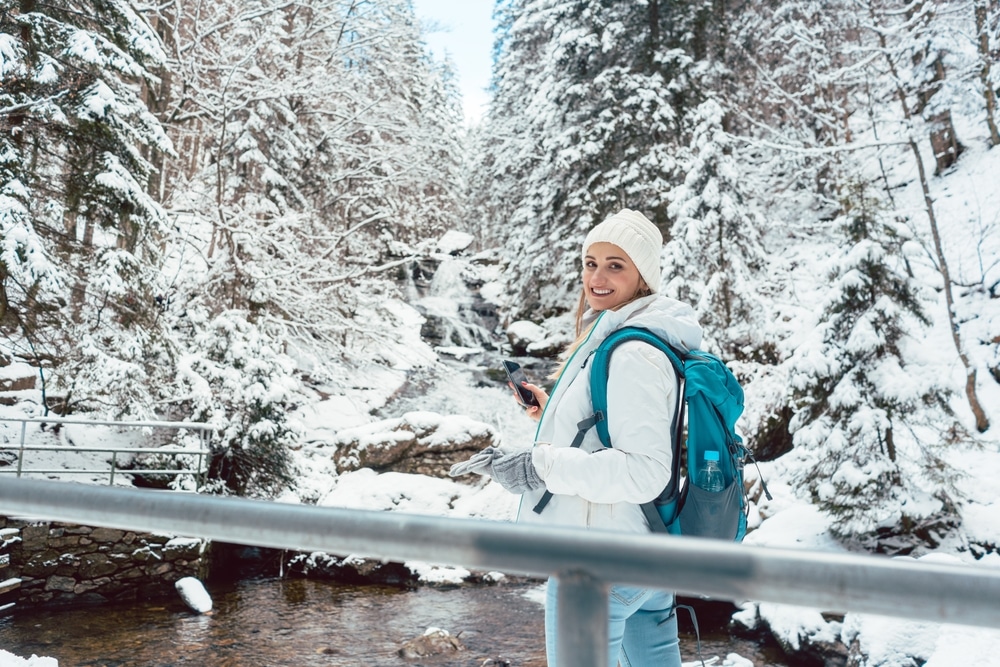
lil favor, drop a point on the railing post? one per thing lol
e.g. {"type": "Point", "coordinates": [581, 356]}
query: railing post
{"type": "Point", "coordinates": [20, 453]}
{"type": "Point", "coordinates": [204, 437]}
{"type": "Point", "coordinates": [114, 460]}
{"type": "Point", "coordinates": [582, 627]}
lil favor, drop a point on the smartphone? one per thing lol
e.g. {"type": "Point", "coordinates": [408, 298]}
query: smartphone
{"type": "Point", "coordinates": [516, 377]}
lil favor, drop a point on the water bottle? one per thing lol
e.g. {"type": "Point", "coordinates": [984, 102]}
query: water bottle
{"type": "Point", "coordinates": [710, 476]}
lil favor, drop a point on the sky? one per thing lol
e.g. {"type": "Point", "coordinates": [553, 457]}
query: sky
{"type": "Point", "coordinates": [463, 30]}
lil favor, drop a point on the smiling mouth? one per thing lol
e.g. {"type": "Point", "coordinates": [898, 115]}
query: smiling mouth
{"type": "Point", "coordinates": [601, 292]}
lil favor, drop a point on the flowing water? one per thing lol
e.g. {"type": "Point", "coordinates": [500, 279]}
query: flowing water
{"type": "Point", "coordinates": [301, 623]}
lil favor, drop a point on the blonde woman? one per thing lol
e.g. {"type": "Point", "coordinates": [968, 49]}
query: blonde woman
{"type": "Point", "coordinates": [592, 486]}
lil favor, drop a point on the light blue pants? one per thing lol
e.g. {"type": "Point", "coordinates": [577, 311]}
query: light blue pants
{"type": "Point", "coordinates": [642, 627]}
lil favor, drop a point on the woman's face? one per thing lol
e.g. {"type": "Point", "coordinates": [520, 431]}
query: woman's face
{"type": "Point", "coordinates": [609, 277]}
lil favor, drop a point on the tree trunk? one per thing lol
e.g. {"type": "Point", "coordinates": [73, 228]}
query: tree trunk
{"type": "Point", "coordinates": [944, 141]}
{"type": "Point", "coordinates": [654, 25]}
{"type": "Point", "coordinates": [989, 95]}
{"type": "Point", "coordinates": [982, 421]}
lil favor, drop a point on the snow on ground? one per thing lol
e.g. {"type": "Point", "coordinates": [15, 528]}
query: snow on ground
{"type": "Point", "coordinates": [11, 660]}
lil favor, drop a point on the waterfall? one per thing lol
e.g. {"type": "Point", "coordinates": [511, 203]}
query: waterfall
{"type": "Point", "coordinates": [458, 321]}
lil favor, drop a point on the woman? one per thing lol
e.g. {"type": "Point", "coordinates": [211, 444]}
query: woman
{"type": "Point", "coordinates": [593, 486]}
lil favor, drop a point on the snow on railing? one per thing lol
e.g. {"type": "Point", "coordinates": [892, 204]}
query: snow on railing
{"type": "Point", "coordinates": [113, 465]}
{"type": "Point", "coordinates": [586, 562]}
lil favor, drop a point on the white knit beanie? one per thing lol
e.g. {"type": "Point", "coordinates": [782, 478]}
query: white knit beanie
{"type": "Point", "coordinates": [638, 237]}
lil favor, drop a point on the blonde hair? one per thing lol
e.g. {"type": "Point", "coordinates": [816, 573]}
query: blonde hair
{"type": "Point", "coordinates": [583, 332]}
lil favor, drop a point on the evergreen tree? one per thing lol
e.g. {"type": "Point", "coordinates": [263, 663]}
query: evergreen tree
{"type": "Point", "coordinates": [232, 376]}
{"type": "Point", "coordinates": [81, 234]}
{"type": "Point", "coordinates": [863, 411]}
{"type": "Point", "coordinates": [715, 254]}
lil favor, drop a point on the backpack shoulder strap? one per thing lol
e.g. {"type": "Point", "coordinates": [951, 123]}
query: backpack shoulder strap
{"type": "Point", "coordinates": [600, 371]}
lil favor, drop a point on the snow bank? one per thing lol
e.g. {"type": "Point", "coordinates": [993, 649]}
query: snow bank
{"type": "Point", "coordinates": [11, 660]}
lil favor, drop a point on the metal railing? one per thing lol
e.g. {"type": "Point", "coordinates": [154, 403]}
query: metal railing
{"type": "Point", "coordinates": [585, 562]}
{"type": "Point", "coordinates": [113, 466]}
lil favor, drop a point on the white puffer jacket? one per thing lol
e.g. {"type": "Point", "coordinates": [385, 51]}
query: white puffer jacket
{"type": "Point", "coordinates": [598, 487]}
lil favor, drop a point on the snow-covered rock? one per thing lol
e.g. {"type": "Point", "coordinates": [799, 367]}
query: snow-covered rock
{"type": "Point", "coordinates": [453, 242]}
{"type": "Point", "coordinates": [529, 339]}
{"type": "Point", "coordinates": [194, 594]}
{"type": "Point", "coordinates": [424, 443]}
{"type": "Point", "coordinates": [432, 642]}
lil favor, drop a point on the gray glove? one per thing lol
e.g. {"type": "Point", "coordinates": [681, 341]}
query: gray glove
{"type": "Point", "coordinates": [479, 464]}
{"type": "Point", "coordinates": [515, 472]}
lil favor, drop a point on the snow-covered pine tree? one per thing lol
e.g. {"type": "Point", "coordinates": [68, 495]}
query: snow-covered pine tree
{"type": "Point", "coordinates": [232, 375]}
{"type": "Point", "coordinates": [81, 234]}
{"type": "Point", "coordinates": [715, 255]}
{"type": "Point", "coordinates": [865, 412]}
{"type": "Point", "coordinates": [512, 185]}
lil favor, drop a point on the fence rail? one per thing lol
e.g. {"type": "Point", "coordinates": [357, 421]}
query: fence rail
{"type": "Point", "coordinates": [586, 562]}
{"type": "Point", "coordinates": [113, 466]}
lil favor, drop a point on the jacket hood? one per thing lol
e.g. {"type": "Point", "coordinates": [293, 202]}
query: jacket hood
{"type": "Point", "coordinates": [668, 318]}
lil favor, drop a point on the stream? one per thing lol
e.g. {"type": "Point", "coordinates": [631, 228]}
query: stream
{"type": "Point", "coordinates": [274, 622]}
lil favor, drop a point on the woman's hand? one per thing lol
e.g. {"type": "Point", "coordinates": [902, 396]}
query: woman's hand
{"type": "Point", "coordinates": [533, 411]}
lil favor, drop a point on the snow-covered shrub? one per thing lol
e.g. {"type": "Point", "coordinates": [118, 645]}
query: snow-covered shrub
{"type": "Point", "coordinates": [232, 376]}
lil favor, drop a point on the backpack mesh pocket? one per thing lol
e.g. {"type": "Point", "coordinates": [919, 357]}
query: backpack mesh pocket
{"type": "Point", "coordinates": [711, 514]}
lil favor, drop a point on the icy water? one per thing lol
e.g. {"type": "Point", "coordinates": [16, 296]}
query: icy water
{"type": "Point", "coordinates": [301, 623]}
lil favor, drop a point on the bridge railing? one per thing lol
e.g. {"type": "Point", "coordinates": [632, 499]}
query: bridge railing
{"type": "Point", "coordinates": [118, 455]}
{"type": "Point", "coordinates": [585, 562]}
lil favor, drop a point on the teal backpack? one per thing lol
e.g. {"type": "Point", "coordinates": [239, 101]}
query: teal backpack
{"type": "Point", "coordinates": [713, 401]}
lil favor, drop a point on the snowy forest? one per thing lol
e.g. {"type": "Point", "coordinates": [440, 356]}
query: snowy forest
{"type": "Point", "coordinates": [210, 211]}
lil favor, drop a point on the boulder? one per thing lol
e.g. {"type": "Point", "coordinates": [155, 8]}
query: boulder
{"type": "Point", "coordinates": [529, 339]}
{"type": "Point", "coordinates": [433, 642]}
{"type": "Point", "coordinates": [423, 443]}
